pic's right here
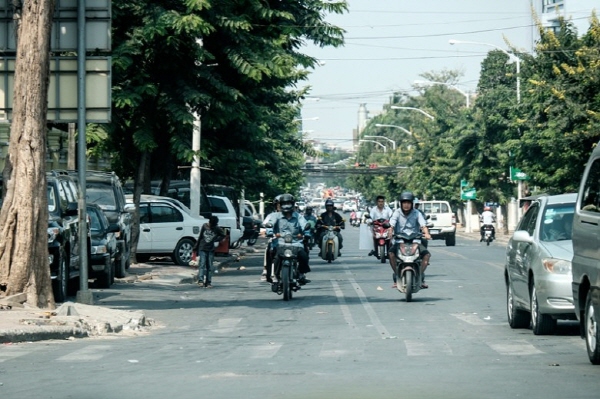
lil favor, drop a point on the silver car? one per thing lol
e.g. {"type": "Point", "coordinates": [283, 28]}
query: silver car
{"type": "Point", "coordinates": [538, 265]}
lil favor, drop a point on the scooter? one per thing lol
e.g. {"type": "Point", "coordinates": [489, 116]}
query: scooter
{"type": "Point", "coordinates": [408, 264]}
{"type": "Point", "coordinates": [355, 222]}
{"type": "Point", "coordinates": [329, 244]}
{"type": "Point", "coordinates": [488, 233]}
{"type": "Point", "coordinates": [381, 234]}
{"type": "Point", "coordinates": [287, 253]}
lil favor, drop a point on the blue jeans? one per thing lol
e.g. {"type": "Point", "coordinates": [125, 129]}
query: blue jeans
{"type": "Point", "coordinates": [205, 265]}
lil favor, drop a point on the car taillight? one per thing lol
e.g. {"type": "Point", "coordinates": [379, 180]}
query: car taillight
{"type": "Point", "coordinates": [453, 219]}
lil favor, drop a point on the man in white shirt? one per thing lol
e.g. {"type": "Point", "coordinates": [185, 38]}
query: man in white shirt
{"type": "Point", "coordinates": [381, 211]}
{"type": "Point", "coordinates": [487, 218]}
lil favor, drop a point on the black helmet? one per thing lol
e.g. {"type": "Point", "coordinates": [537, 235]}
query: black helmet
{"type": "Point", "coordinates": [308, 209]}
{"type": "Point", "coordinates": [287, 202]}
{"type": "Point", "coordinates": [407, 196]}
{"type": "Point", "coordinates": [329, 202]}
{"type": "Point", "coordinates": [277, 199]}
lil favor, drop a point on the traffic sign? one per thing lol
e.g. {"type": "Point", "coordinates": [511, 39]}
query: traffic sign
{"type": "Point", "coordinates": [516, 174]}
{"type": "Point", "coordinates": [468, 194]}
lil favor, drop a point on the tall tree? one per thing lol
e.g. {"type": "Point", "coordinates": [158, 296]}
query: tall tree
{"type": "Point", "coordinates": [24, 214]}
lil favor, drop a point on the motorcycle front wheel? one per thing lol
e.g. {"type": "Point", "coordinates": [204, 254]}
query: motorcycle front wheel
{"type": "Point", "coordinates": [286, 280]}
{"type": "Point", "coordinates": [381, 253]}
{"type": "Point", "coordinates": [407, 280]}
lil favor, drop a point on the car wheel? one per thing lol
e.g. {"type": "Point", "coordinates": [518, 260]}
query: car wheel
{"type": "Point", "coordinates": [120, 263]}
{"type": "Point", "coordinates": [516, 318]}
{"type": "Point", "coordinates": [236, 244]}
{"type": "Point", "coordinates": [541, 324]}
{"type": "Point", "coordinates": [59, 285]}
{"type": "Point", "coordinates": [450, 240]}
{"type": "Point", "coordinates": [592, 331]}
{"type": "Point", "coordinates": [183, 252]}
{"type": "Point", "coordinates": [113, 268]}
{"type": "Point", "coordinates": [251, 241]}
{"type": "Point", "coordinates": [142, 258]}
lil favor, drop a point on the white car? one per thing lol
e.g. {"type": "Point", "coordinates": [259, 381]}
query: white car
{"type": "Point", "coordinates": [349, 206]}
{"type": "Point", "coordinates": [222, 208]}
{"type": "Point", "coordinates": [166, 229]}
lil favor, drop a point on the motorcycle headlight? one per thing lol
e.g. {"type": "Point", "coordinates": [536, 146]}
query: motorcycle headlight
{"type": "Point", "coordinates": [288, 253]}
{"type": "Point", "coordinates": [557, 266]}
{"type": "Point", "coordinates": [288, 239]}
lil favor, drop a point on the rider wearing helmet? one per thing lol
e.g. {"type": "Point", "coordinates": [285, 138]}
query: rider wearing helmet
{"type": "Point", "coordinates": [407, 219]}
{"type": "Point", "coordinates": [290, 223]}
{"type": "Point", "coordinates": [487, 218]}
{"type": "Point", "coordinates": [270, 219]}
{"type": "Point", "coordinates": [330, 218]}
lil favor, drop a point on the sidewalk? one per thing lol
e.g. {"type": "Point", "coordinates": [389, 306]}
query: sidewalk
{"type": "Point", "coordinates": [20, 323]}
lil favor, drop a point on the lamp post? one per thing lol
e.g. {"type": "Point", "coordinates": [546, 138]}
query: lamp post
{"type": "Point", "coordinates": [376, 142]}
{"type": "Point", "coordinates": [385, 138]}
{"type": "Point", "coordinates": [511, 56]}
{"type": "Point", "coordinates": [414, 109]}
{"type": "Point", "coordinates": [429, 83]}
{"type": "Point", "coordinates": [396, 126]}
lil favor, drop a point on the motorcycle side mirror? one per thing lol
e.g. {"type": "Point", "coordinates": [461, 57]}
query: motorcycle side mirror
{"type": "Point", "coordinates": [268, 225]}
{"type": "Point", "coordinates": [387, 225]}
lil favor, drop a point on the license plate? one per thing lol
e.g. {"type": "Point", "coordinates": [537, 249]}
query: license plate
{"type": "Point", "coordinates": [434, 231]}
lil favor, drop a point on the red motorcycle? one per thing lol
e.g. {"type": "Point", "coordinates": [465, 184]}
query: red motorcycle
{"type": "Point", "coordinates": [381, 235]}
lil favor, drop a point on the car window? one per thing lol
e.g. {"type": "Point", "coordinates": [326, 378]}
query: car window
{"type": "Point", "coordinates": [217, 205]}
{"type": "Point", "coordinates": [67, 190]}
{"type": "Point", "coordinates": [102, 195]}
{"type": "Point", "coordinates": [591, 189]}
{"type": "Point", "coordinates": [528, 221]}
{"type": "Point", "coordinates": [144, 215]}
{"type": "Point", "coordinates": [51, 199]}
{"type": "Point", "coordinates": [444, 207]}
{"type": "Point", "coordinates": [165, 214]}
{"type": "Point", "coordinates": [94, 221]}
{"type": "Point", "coordinates": [62, 196]}
{"type": "Point", "coordinates": [557, 222]}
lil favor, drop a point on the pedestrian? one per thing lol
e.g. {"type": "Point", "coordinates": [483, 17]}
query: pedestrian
{"type": "Point", "coordinates": [208, 239]}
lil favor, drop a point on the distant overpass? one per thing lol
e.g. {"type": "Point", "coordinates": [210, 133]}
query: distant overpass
{"type": "Point", "coordinates": [325, 170]}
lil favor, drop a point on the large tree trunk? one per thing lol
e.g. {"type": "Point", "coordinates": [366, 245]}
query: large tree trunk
{"type": "Point", "coordinates": [24, 214]}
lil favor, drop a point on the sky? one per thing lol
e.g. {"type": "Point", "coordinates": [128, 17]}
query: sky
{"type": "Point", "coordinates": [390, 43]}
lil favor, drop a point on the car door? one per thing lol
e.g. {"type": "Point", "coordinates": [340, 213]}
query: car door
{"type": "Point", "coordinates": [145, 240]}
{"type": "Point", "coordinates": [524, 254]}
{"type": "Point", "coordinates": [166, 227]}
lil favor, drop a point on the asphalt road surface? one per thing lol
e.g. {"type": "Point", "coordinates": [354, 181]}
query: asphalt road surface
{"type": "Point", "coordinates": [347, 334]}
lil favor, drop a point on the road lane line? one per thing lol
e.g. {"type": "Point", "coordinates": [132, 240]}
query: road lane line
{"type": "Point", "coordinates": [91, 352]}
{"type": "Point", "coordinates": [429, 348]}
{"type": "Point", "coordinates": [515, 347]}
{"type": "Point", "coordinates": [343, 306]}
{"type": "Point", "coordinates": [383, 332]}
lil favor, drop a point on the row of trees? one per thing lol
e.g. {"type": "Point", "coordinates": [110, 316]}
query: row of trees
{"type": "Point", "coordinates": [549, 134]}
{"type": "Point", "coordinates": [236, 63]}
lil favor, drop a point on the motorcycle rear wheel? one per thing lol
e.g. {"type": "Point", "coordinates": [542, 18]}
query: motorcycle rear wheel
{"type": "Point", "coordinates": [286, 280]}
{"type": "Point", "coordinates": [407, 280]}
{"type": "Point", "coordinates": [381, 253]}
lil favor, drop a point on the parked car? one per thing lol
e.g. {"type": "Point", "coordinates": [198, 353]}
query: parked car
{"type": "Point", "coordinates": [224, 210]}
{"type": "Point", "coordinates": [251, 224]}
{"type": "Point", "coordinates": [443, 221]}
{"type": "Point", "coordinates": [105, 189]}
{"type": "Point", "coordinates": [537, 273]}
{"type": "Point", "coordinates": [103, 249]}
{"type": "Point", "coordinates": [63, 234]}
{"type": "Point", "coordinates": [166, 229]}
{"type": "Point", "coordinates": [586, 256]}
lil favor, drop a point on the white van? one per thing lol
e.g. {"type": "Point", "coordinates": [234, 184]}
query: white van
{"type": "Point", "coordinates": [585, 267]}
{"type": "Point", "coordinates": [443, 220]}
{"type": "Point", "coordinates": [222, 208]}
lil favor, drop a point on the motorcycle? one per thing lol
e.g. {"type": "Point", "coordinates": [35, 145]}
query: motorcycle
{"type": "Point", "coordinates": [355, 222]}
{"type": "Point", "coordinates": [287, 253]}
{"type": "Point", "coordinates": [309, 237]}
{"type": "Point", "coordinates": [329, 244]}
{"type": "Point", "coordinates": [488, 233]}
{"type": "Point", "coordinates": [408, 266]}
{"type": "Point", "coordinates": [381, 234]}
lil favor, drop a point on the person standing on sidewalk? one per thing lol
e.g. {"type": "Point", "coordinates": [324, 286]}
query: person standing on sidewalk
{"type": "Point", "coordinates": [210, 236]}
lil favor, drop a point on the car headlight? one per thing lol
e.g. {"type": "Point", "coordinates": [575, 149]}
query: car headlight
{"type": "Point", "coordinates": [53, 232]}
{"type": "Point", "coordinates": [99, 249]}
{"type": "Point", "coordinates": [558, 266]}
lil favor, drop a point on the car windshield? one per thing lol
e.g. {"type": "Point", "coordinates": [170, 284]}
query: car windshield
{"type": "Point", "coordinates": [94, 221]}
{"type": "Point", "coordinates": [101, 195]}
{"type": "Point", "coordinates": [557, 222]}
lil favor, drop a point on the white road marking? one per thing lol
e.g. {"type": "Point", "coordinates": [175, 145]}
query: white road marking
{"type": "Point", "coordinates": [226, 325]}
{"type": "Point", "coordinates": [342, 301]}
{"type": "Point", "coordinates": [420, 348]}
{"type": "Point", "coordinates": [516, 347]}
{"type": "Point", "coordinates": [91, 352]}
{"type": "Point", "coordinates": [383, 332]}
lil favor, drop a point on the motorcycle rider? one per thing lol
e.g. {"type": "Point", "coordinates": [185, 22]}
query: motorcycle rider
{"type": "Point", "coordinates": [289, 223]}
{"type": "Point", "coordinates": [311, 219]}
{"type": "Point", "coordinates": [330, 218]}
{"type": "Point", "coordinates": [271, 247]}
{"type": "Point", "coordinates": [381, 211]}
{"type": "Point", "coordinates": [407, 219]}
{"type": "Point", "coordinates": [487, 219]}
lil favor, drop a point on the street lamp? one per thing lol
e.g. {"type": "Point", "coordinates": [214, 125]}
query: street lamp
{"type": "Point", "coordinates": [376, 142]}
{"type": "Point", "coordinates": [397, 127]}
{"type": "Point", "coordinates": [511, 57]}
{"type": "Point", "coordinates": [414, 109]}
{"type": "Point", "coordinates": [429, 82]}
{"type": "Point", "coordinates": [385, 138]}
{"type": "Point", "coordinates": [315, 118]}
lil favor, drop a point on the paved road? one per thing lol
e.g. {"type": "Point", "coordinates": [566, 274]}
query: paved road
{"type": "Point", "coordinates": [345, 335]}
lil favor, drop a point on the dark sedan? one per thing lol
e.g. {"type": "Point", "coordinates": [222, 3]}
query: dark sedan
{"type": "Point", "coordinates": [103, 246]}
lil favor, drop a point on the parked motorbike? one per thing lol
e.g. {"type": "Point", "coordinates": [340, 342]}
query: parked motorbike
{"type": "Point", "coordinates": [380, 229]}
{"type": "Point", "coordinates": [488, 233]}
{"type": "Point", "coordinates": [287, 253]}
{"type": "Point", "coordinates": [408, 264]}
{"type": "Point", "coordinates": [329, 244]}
